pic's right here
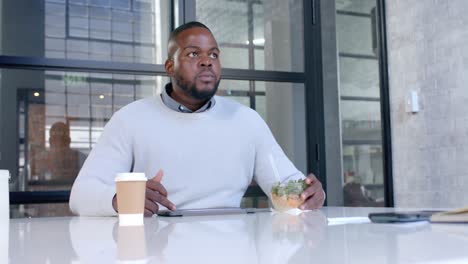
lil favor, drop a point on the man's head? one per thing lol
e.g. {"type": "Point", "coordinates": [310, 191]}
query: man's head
{"type": "Point", "coordinates": [193, 62]}
{"type": "Point", "coordinates": [59, 135]}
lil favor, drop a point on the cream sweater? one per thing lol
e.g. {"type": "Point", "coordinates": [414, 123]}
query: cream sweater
{"type": "Point", "coordinates": [208, 158]}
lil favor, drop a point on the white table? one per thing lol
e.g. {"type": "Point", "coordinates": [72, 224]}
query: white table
{"type": "Point", "coordinates": [255, 238]}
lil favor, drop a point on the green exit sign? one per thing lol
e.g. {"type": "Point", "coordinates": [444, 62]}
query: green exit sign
{"type": "Point", "coordinates": [74, 80]}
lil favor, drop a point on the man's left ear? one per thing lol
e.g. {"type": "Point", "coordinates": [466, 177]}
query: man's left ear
{"type": "Point", "coordinates": [169, 65]}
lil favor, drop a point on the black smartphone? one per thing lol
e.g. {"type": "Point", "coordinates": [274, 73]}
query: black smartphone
{"type": "Point", "coordinates": [401, 217]}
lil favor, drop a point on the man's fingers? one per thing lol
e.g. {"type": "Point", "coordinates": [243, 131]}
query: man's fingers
{"type": "Point", "coordinates": [311, 190]}
{"type": "Point", "coordinates": [158, 198]}
{"type": "Point", "coordinates": [313, 196]}
{"type": "Point", "coordinates": [166, 203]}
{"type": "Point", "coordinates": [156, 192]}
{"type": "Point", "coordinates": [148, 213]}
{"type": "Point", "coordinates": [152, 195]}
{"type": "Point", "coordinates": [158, 176]}
{"type": "Point", "coordinates": [314, 202]}
{"type": "Point", "coordinates": [311, 178]}
{"type": "Point", "coordinates": [151, 206]}
{"type": "Point", "coordinates": [317, 202]}
{"type": "Point", "coordinates": [156, 186]}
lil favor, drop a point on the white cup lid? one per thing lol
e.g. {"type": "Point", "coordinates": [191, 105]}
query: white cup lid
{"type": "Point", "coordinates": [131, 176]}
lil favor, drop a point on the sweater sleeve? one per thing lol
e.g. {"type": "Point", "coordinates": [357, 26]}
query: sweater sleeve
{"type": "Point", "coordinates": [94, 188]}
{"type": "Point", "coordinates": [271, 163]}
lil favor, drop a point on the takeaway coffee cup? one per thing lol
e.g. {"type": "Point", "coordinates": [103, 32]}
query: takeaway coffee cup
{"type": "Point", "coordinates": [131, 187]}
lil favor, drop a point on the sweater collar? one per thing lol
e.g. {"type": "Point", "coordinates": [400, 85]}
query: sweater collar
{"type": "Point", "coordinates": [176, 106]}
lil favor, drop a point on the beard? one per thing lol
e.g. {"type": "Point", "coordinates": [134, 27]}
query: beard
{"type": "Point", "coordinates": [191, 90]}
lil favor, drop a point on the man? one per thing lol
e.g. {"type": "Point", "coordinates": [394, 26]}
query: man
{"type": "Point", "coordinates": [59, 162]}
{"type": "Point", "coordinates": [209, 147]}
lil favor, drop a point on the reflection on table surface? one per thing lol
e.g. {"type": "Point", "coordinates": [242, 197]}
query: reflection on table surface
{"type": "Point", "coordinates": [252, 238]}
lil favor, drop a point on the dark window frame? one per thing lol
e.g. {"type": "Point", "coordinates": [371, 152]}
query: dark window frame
{"type": "Point", "coordinates": [385, 104]}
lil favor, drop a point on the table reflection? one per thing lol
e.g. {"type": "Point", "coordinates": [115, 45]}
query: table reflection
{"type": "Point", "coordinates": [253, 238]}
{"type": "Point", "coordinates": [93, 240]}
{"type": "Point", "coordinates": [131, 244]}
{"type": "Point", "coordinates": [204, 240]}
{"type": "Point", "coordinates": [286, 238]}
{"type": "Point", "coordinates": [41, 240]}
{"type": "Point", "coordinates": [257, 238]}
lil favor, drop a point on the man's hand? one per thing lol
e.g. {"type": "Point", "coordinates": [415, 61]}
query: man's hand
{"type": "Point", "coordinates": [313, 196]}
{"type": "Point", "coordinates": [156, 194]}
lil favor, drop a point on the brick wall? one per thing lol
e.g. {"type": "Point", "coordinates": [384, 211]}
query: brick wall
{"type": "Point", "coordinates": [428, 52]}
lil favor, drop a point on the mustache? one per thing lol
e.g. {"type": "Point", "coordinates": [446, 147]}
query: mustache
{"type": "Point", "coordinates": [206, 72]}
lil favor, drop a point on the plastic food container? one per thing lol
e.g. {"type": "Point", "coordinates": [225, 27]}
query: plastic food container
{"type": "Point", "coordinates": [287, 196]}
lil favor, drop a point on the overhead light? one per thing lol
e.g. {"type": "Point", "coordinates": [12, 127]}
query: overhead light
{"type": "Point", "coordinates": [36, 94]}
{"type": "Point", "coordinates": [259, 41]}
{"type": "Point", "coordinates": [101, 96]}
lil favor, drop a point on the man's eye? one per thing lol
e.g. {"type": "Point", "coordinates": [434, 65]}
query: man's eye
{"type": "Point", "coordinates": [192, 54]}
{"type": "Point", "coordinates": [213, 56]}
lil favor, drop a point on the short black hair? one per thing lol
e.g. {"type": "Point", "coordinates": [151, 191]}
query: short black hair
{"type": "Point", "coordinates": [180, 29]}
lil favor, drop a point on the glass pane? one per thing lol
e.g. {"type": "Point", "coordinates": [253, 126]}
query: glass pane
{"type": "Point", "coordinates": [363, 179]}
{"type": "Point", "coordinates": [360, 120]}
{"type": "Point", "coordinates": [230, 86]}
{"type": "Point", "coordinates": [61, 116]}
{"type": "Point", "coordinates": [241, 99]}
{"type": "Point", "coordinates": [363, 175]}
{"type": "Point", "coordinates": [260, 105]}
{"type": "Point", "coordinates": [359, 77]}
{"type": "Point", "coordinates": [261, 35]}
{"type": "Point", "coordinates": [355, 34]}
{"type": "Point", "coordinates": [361, 6]}
{"type": "Point", "coordinates": [362, 153]}
{"type": "Point", "coordinates": [282, 106]}
{"type": "Point", "coordinates": [234, 58]}
{"type": "Point", "coordinates": [259, 59]}
{"type": "Point", "coordinates": [88, 30]}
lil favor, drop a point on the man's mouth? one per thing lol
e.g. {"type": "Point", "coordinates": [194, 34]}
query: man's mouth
{"type": "Point", "coordinates": [206, 77]}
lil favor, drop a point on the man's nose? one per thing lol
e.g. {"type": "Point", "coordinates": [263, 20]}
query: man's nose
{"type": "Point", "coordinates": [205, 61]}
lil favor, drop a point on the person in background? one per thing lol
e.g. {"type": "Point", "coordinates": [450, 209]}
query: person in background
{"type": "Point", "coordinates": [55, 168]}
{"type": "Point", "coordinates": [60, 163]}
